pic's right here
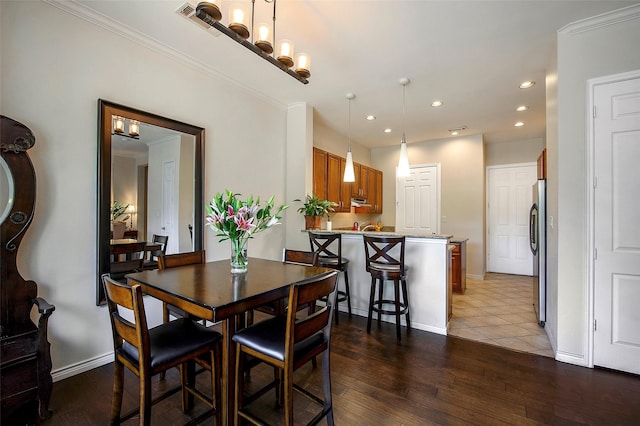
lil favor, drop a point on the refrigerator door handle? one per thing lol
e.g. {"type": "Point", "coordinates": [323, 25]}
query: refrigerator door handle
{"type": "Point", "coordinates": [532, 229]}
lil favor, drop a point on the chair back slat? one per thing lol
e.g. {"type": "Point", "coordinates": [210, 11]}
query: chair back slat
{"type": "Point", "coordinates": [326, 244]}
{"type": "Point", "coordinates": [299, 257]}
{"type": "Point", "coordinates": [121, 295]}
{"type": "Point", "coordinates": [384, 251]}
{"type": "Point", "coordinates": [159, 239]}
{"type": "Point", "coordinates": [133, 258]}
{"type": "Point", "coordinates": [181, 259]}
{"type": "Point", "coordinates": [304, 293]}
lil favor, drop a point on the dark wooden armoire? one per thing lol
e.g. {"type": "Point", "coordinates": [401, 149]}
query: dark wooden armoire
{"type": "Point", "coordinates": [25, 360]}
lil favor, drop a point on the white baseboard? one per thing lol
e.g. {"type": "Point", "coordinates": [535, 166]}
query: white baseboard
{"type": "Point", "coordinates": [476, 276]}
{"type": "Point", "coordinates": [571, 359]}
{"type": "Point", "coordinates": [81, 367]}
{"type": "Point", "coordinates": [392, 320]}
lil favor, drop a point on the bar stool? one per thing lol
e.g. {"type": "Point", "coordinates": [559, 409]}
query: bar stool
{"type": "Point", "coordinates": [328, 247]}
{"type": "Point", "coordinates": [385, 262]}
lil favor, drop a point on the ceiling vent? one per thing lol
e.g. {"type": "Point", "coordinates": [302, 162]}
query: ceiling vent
{"type": "Point", "coordinates": [188, 11]}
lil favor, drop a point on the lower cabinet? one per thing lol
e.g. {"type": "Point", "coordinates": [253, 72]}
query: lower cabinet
{"type": "Point", "coordinates": [459, 266]}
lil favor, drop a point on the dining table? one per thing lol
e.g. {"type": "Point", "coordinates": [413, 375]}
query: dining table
{"type": "Point", "coordinates": [211, 292]}
{"type": "Point", "coordinates": [119, 246]}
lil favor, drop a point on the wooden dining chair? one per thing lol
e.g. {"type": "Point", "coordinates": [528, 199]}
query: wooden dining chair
{"type": "Point", "coordinates": [147, 352]}
{"type": "Point", "coordinates": [287, 343]}
{"type": "Point", "coordinates": [126, 259]}
{"type": "Point", "coordinates": [328, 246]}
{"type": "Point", "coordinates": [174, 261]}
{"type": "Point", "coordinates": [152, 261]}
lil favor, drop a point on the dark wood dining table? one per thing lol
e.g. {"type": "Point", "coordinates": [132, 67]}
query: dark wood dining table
{"type": "Point", "coordinates": [211, 292]}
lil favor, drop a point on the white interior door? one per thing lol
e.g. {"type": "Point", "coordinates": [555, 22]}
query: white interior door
{"type": "Point", "coordinates": [418, 201]}
{"type": "Point", "coordinates": [169, 208]}
{"type": "Point", "coordinates": [510, 198]}
{"type": "Point", "coordinates": [616, 225]}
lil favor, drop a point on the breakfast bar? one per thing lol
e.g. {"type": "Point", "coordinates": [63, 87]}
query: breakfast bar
{"type": "Point", "coordinates": [426, 256]}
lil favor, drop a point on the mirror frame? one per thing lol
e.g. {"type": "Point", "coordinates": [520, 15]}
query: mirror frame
{"type": "Point", "coordinates": [106, 110]}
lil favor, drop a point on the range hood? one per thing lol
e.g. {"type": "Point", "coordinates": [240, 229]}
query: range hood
{"type": "Point", "coordinates": [359, 202]}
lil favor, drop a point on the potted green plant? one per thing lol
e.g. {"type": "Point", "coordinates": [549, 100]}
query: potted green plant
{"type": "Point", "coordinates": [313, 208]}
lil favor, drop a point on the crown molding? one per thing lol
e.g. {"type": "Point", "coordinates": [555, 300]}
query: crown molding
{"type": "Point", "coordinates": [603, 20]}
{"type": "Point", "coordinates": [85, 13]}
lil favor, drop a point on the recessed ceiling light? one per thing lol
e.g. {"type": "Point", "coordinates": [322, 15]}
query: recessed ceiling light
{"type": "Point", "coordinates": [387, 130]}
{"type": "Point", "coordinates": [527, 84]}
{"type": "Point", "coordinates": [522, 108]}
{"type": "Point", "coordinates": [454, 133]}
{"type": "Point", "coordinates": [437, 103]}
{"type": "Point", "coordinates": [519, 124]}
{"type": "Point", "coordinates": [371, 117]}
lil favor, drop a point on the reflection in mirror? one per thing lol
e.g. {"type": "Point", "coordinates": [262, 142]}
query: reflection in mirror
{"type": "Point", "coordinates": [150, 168]}
{"type": "Point", "coordinates": [6, 190]}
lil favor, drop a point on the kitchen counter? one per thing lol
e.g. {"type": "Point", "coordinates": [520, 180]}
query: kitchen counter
{"type": "Point", "coordinates": [427, 258]}
{"type": "Point", "coordinates": [384, 233]}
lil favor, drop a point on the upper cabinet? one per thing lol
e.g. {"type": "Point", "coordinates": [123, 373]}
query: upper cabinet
{"type": "Point", "coordinates": [320, 173]}
{"type": "Point", "coordinates": [361, 187]}
{"type": "Point", "coordinates": [328, 172]}
{"type": "Point", "coordinates": [337, 190]}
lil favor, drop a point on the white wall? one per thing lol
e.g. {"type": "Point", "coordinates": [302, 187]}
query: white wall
{"type": "Point", "coordinates": [551, 88]}
{"type": "Point", "coordinates": [462, 188]}
{"type": "Point", "coordinates": [54, 68]}
{"type": "Point", "coordinates": [593, 48]}
{"type": "Point", "coordinates": [513, 152]}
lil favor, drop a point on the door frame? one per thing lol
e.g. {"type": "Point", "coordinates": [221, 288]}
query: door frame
{"type": "Point", "coordinates": [488, 197]}
{"type": "Point", "coordinates": [590, 213]}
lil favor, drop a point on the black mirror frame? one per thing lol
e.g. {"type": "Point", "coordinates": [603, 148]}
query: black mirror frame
{"type": "Point", "coordinates": [106, 110]}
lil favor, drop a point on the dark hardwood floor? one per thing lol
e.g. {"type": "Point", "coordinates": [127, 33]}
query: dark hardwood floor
{"type": "Point", "coordinates": [427, 379]}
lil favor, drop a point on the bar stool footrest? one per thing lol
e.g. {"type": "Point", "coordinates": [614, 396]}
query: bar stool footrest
{"type": "Point", "coordinates": [377, 307]}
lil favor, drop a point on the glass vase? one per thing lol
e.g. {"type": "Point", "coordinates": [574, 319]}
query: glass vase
{"type": "Point", "coordinates": [239, 259]}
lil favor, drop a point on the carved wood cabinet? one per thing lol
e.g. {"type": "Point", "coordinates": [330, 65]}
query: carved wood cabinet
{"type": "Point", "coordinates": [25, 360]}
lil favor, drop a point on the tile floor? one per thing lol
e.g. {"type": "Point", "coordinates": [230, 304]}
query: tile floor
{"type": "Point", "coordinates": [498, 310]}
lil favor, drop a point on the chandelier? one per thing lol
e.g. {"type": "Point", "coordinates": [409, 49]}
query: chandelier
{"type": "Point", "coordinates": [259, 42]}
{"type": "Point", "coordinates": [119, 125]}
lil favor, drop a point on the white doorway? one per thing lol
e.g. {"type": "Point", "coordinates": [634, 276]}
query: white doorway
{"type": "Point", "coordinates": [169, 207]}
{"type": "Point", "coordinates": [615, 242]}
{"type": "Point", "coordinates": [509, 199]}
{"type": "Point", "coordinates": [418, 201]}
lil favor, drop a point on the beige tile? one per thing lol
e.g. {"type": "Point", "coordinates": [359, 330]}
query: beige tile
{"type": "Point", "coordinates": [499, 311]}
{"type": "Point", "coordinates": [498, 331]}
{"type": "Point", "coordinates": [519, 318]}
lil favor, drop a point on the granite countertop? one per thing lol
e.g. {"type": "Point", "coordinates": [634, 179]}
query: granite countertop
{"type": "Point", "coordinates": [384, 233]}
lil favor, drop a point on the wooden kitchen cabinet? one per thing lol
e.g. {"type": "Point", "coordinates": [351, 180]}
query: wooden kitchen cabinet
{"type": "Point", "coordinates": [542, 164]}
{"type": "Point", "coordinates": [374, 188]}
{"type": "Point", "coordinates": [337, 190]}
{"type": "Point", "coordinates": [328, 182]}
{"type": "Point", "coordinates": [359, 188]}
{"type": "Point", "coordinates": [320, 173]}
{"type": "Point", "coordinates": [459, 266]}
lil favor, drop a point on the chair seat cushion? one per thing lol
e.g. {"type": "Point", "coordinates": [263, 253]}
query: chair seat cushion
{"type": "Point", "coordinates": [332, 262]}
{"type": "Point", "coordinates": [268, 337]}
{"type": "Point", "coordinates": [383, 270]}
{"type": "Point", "coordinates": [170, 341]}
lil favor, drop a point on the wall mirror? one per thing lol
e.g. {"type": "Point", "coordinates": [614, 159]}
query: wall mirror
{"type": "Point", "coordinates": [153, 166]}
{"type": "Point", "coordinates": [6, 190]}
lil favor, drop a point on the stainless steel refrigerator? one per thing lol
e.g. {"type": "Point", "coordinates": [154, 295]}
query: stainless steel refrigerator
{"type": "Point", "coordinates": [538, 245]}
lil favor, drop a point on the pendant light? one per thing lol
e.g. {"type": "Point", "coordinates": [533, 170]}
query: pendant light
{"type": "Point", "coordinates": [403, 162]}
{"type": "Point", "coordinates": [349, 175]}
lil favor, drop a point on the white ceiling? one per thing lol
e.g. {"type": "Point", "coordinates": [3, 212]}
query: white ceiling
{"type": "Point", "coordinates": [470, 54]}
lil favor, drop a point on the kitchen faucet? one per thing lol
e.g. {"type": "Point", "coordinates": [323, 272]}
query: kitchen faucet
{"type": "Point", "coordinates": [365, 227]}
